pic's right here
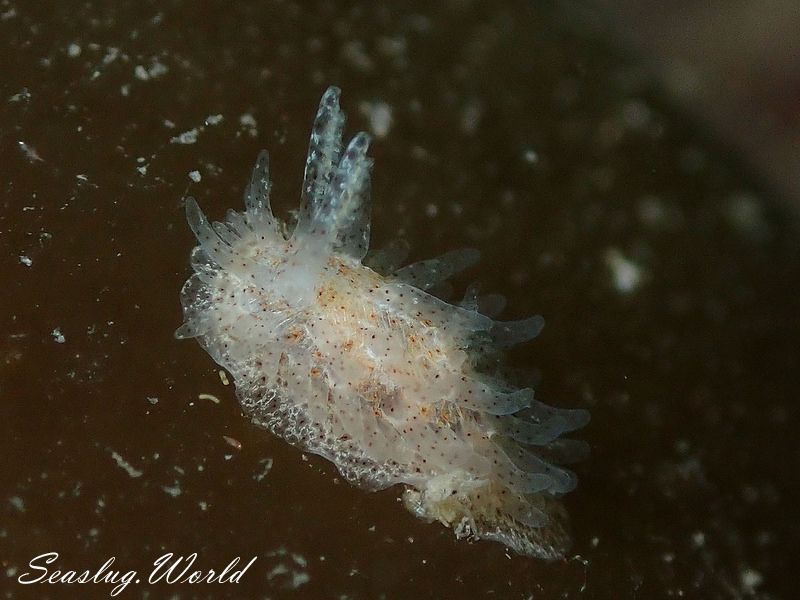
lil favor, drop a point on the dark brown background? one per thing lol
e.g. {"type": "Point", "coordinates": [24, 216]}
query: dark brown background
{"type": "Point", "coordinates": [516, 130]}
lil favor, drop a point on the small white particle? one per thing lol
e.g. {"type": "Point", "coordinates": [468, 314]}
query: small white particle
{"type": "Point", "coordinates": [111, 55]}
{"type": "Point", "coordinates": [73, 50]}
{"type": "Point", "coordinates": [17, 503]}
{"type": "Point", "coordinates": [356, 55]}
{"type": "Point", "coordinates": [299, 560]}
{"type": "Point", "coordinates": [157, 69]}
{"type": "Point", "coordinates": [187, 137]}
{"type": "Point", "coordinates": [142, 170]}
{"type": "Point", "coordinates": [531, 156]}
{"type": "Point", "coordinates": [29, 152]}
{"type": "Point", "coordinates": [248, 122]}
{"type": "Point", "coordinates": [267, 462]}
{"type": "Point", "coordinates": [223, 377]}
{"type": "Point", "coordinates": [152, 400]}
{"type": "Point", "coordinates": [751, 579]}
{"type": "Point", "coordinates": [125, 465]}
{"type": "Point", "coordinates": [299, 578]}
{"type": "Point", "coordinates": [214, 399]}
{"type": "Point", "coordinates": [627, 275]}
{"type": "Point", "coordinates": [58, 336]}
{"type": "Point", "coordinates": [431, 210]}
{"type": "Point", "coordinates": [279, 569]}
{"type": "Point", "coordinates": [214, 119]}
{"type": "Point", "coordinates": [380, 117]}
{"type": "Point", "coordinates": [172, 490]}
{"type": "Point", "coordinates": [195, 176]}
{"type": "Point", "coordinates": [25, 260]}
{"type": "Point", "coordinates": [23, 95]}
{"type": "Point", "coordinates": [232, 442]}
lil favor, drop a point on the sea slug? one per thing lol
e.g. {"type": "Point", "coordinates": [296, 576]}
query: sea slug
{"type": "Point", "coordinates": [349, 356]}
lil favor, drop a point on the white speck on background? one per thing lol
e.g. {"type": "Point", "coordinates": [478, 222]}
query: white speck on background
{"type": "Point", "coordinates": [73, 50]}
{"type": "Point", "coordinates": [248, 122]}
{"type": "Point", "coordinates": [187, 137]}
{"type": "Point", "coordinates": [29, 152]}
{"type": "Point", "coordinates": [751, 579]}
{"type": "Point", "coordinates": [172, 490]}
{"type": "Point", "coordinates": [23, 95]}
{"type": "Point", "coordinates": [279, 569]}
{"type": "Point", "coordinates": [25, 260]}
{"type": "Point", "coordinates": [698, 539]}
{"type": "Point", "coordinates": [380, 117]}
{"type": "Point", "coordinates": [626, 274]}
{"type": "Point", "coordinates": [267, 462]}
{"type": "Point", "coordinates": [531, 156]}
{"type": "Point", "coordinates": [353, 52]}
{"type": "Point", "coordinates": [111, 55]}
{"type": "Point", "coordinates": [125, 465]}
{"type": "Point", "coordinates": [299, 578]}
{"type": "Point", "coordinates": [299, 560]}
{"type": "Point", "coordinates": [214, 119]}
{"type": "Point", "coordinates": [58, 336]}
{"type": "Point", "coordinates": [17, 503]}
{"type": "Point", "coordinates": [195, 176]}
{"type": "Point", "coordinates": [155, 70]}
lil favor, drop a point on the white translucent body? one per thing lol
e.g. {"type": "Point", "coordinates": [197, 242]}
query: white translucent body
{"type": "Point", "coordinates": [362, 366]}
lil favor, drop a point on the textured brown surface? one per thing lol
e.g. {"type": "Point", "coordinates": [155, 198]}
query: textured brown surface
{"type": "Point", "coordinates": [510, 133]}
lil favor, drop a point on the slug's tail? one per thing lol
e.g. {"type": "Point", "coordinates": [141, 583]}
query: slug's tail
{"type": "Point", "coordinates": [531, 525]}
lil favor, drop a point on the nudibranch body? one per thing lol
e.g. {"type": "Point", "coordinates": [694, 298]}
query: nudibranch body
{"type": "Point", "coordinates": [363, 366]}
